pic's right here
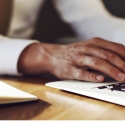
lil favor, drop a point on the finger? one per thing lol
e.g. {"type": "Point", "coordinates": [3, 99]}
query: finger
{"type": "Point", "coordinates": [82, 74]}
{"type": "Point", "coordinates": [108, 45]}
{"type": "Point", "coordinates": [111, 57]}
{"type": "Point", "coordinates": [102, 66]}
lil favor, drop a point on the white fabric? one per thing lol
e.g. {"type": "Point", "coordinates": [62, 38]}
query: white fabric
{"type": "Point", "coordinates": [24, 16]}
{"type": "Point", "coordinates": [10, 50]}
{"type": "Point", "coordinates": [89, 18]}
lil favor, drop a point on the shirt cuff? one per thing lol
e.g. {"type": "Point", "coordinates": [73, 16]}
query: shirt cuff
{"type": "Point", "coordinates": [10, 50]}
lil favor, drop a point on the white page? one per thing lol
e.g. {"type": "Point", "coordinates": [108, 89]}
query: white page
{"type": "Point", "coordinates": [91, 90]}
{"type": "Point", "coordinates": [9, 94]}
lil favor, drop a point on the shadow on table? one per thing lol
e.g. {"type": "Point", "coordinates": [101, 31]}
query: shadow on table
{"type": "Point", "coordinates": [22, 111]}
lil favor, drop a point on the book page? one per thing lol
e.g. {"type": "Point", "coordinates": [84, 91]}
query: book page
{"type": "Point", "coordinates": [9, 94]}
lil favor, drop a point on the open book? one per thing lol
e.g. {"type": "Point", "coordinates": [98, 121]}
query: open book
{"type": "Point", "coordinates": [9, 94]}
{"type": "Point", "coordinates": [113, 92]}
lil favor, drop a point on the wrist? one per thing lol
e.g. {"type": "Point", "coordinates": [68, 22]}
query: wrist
{"type": "Point", "coordinates": [34, 59]}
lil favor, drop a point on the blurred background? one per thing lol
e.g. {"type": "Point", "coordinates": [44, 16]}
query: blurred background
{"type": "Point", "coordinates": [55, 29]}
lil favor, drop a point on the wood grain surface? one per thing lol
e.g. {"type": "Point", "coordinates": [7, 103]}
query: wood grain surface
{"type": "Point", "coordinates": [54, 104]}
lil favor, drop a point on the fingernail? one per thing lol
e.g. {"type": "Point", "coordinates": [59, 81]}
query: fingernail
{"type": "Point", "coordinates": [122, 76]}
{"type": "Point", "coordinates": [99, 78]}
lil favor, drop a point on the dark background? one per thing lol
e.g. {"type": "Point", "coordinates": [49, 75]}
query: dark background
{"type": "Point", "coordinates": [50, 26]}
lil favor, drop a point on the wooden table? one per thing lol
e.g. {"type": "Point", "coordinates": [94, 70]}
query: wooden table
{"type": "Point", "coordinates": [54, 104]}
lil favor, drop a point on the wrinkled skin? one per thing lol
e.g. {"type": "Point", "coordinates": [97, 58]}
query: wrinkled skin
{"type": "Point", "coordinates": [73, 60]}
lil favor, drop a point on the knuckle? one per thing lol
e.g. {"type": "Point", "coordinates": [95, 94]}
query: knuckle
{"type": "Point", "coordinates": [113, 70]}
{"type": "Point", "coordinates": [97, 61]}
{"type": "Point", "coordinates": [81, 73]}
{"type": "Point", "coordinates": [77, 53]}
{"type": "Point", "coordinates": [96, 40]}
{"type": "Point", "coordinates": [123, 68]}
{"type": "Point", "coordinates": [120, 47]}
{"type": "Point", "coordinates": [77, 57]}
{"type": "Point", "coordinates": [91, 76]}
{"type": "Point", "coordinates": [110, 56]}
{"type": "Point", "coordinates": [87, 48]}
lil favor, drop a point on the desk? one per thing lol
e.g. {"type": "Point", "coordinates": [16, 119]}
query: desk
{"type": "Point", "coordinates": [55, 104]}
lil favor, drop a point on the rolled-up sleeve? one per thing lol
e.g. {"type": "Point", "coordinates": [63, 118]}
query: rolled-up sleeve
{"type": "Point", "coordinates": [10, 50]}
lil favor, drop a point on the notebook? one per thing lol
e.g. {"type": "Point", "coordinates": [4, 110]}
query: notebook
{"type": "Point", "coordinates": [113, 92]}
{"type": "Point", "coordinates": [9, 94]}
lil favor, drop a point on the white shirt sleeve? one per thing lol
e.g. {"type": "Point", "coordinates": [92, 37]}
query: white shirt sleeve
{"type": "Point", "coordinates": [10, 50]}
{"type": "Point", "coordinates": [21, 28]}
{"type": "Point", "coordinates": [89, 18]}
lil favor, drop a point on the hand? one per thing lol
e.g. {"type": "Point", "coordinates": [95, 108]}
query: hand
{"type": "Point", "coordinates": [72, 61]}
